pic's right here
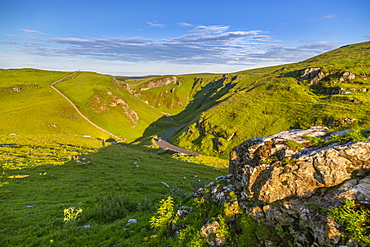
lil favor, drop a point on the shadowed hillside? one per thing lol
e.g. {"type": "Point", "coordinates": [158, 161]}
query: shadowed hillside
{"type": "Point", "coordinates": [331, 90]}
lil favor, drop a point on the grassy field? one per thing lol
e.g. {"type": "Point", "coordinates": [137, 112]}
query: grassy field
{"type": "Point", "coordinates": [44, 175]}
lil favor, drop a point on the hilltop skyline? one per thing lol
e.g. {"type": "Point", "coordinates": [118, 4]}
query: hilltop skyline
{"type": "Point", "coordinates": [174, 37]}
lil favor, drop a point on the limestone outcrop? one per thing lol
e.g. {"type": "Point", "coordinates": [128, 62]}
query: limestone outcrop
{"type": "Point", "coordinates": [287, 182]}
{"type": "Point", "coordinates": [282, 180]}
{"type": "Point", "coordinates": [316, 75]}
{"type": "Point", "coordinates": [270, 169]}
{"type": "Point", "coordinates": [164, 81]}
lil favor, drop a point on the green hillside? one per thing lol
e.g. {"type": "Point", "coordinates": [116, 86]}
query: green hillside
{"type": "Point", "coordinates": [53, 162]}
{"type": "Point", "coordinates": [219, 111]}
{"type": "Point", "coordinates": [29, 106]}
{"type": "Point", "coordinates": [268, 100]}
{"type": "Point", "coordinates": [109, 104]}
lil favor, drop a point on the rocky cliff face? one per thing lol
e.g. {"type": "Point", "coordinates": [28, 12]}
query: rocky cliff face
{"type": "Point", "coordinates": [102, 100]}
{"type": "Point", "coordinates": [286, 182]}
{"type": "Point", "coordinates": [164, 81]}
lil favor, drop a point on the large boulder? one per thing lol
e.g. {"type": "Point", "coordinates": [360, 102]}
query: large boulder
{"type": "Point", "coordinates": [284, 181]}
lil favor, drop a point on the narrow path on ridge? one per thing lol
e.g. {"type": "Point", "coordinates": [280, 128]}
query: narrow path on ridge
{"type": "Point", "coordinates": [78, 111]}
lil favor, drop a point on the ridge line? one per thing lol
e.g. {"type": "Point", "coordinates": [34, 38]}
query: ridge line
{"type": "Point", "coordinates": [78, 111]}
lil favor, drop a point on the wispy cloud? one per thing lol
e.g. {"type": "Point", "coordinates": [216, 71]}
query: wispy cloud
{"type": "Point", "coordinates": [184, 24]}
{"type": "Point", "coordinates": [331, 16]}
{"type": "Point", "coordinates": [328, 16]}
{"type": "Point", "coordinates": [211, 29]}
{"type": "Point", "coordinates": [8, 42]}
{"type": "Point", "coordinates": [209, 46]}
{"type": "Point", "coordinates": [367, 36]}
{"type": "Point", "coordinates": [203, 45]}
{"type": "Point", "coordinates": [153, 24]}
{"type": "Point", "coordinates": [32, 31]}
{"type": "Point", "coordinates": [286, 54]}
{"type": "Point", "coordinates": [327, 33]}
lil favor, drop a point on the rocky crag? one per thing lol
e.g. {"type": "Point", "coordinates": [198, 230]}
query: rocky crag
{"type": "Point", "coordinates": [289, 181]}
{"type": "Point", "coordinates": [160, 82]}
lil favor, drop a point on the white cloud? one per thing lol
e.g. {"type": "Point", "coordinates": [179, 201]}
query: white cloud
{"type": "Point", "coordinates": [211, 29]}
{"type": "Point", "coordinates": [328, 16]}
{"type": "Point", "coordinates": [288, 54]}
{"type": "Point", "coordinates": [204, 47]}
{"type": "Point", "coordinates": [184, 24]}
{"type": "Point", "coordinates": [190, 48]}
{"type": "Point", "coordinates": [367, 36]}
{"type": "Point", "coordinates": [331, 16]}
{"type": "Point", "coordinates": [152, 24]}
{"type": "Point", "coordinates": [32, 31]}
{"type": "Point", "coordinates": [8, 42]}
{"type": "Point", "coordinates": [320, 46]}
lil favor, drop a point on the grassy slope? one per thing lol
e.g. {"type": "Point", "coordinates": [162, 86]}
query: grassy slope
{"type": "Point", "coordinates": [82, 88]}
{"type": "Point", "coordinates": [172, 99]}
{"type": "Point", "coordinates": [274, 99]}
{"type": "Point", "coordinates": [124, 182]}
{"type": "Point", "coordinates": [120, 183]}
{"type": "Point", "coordinates": [37, 108]}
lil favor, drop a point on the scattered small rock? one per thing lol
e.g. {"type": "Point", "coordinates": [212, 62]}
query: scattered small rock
{"type": "Point", "coordinates": [165, 184]}
{"type": "Point", "coordinates": [131, 221]}
{"type": "Point", "coordinates": [184, 211]}
{"type": "Point", "coordinates": [210, 232]}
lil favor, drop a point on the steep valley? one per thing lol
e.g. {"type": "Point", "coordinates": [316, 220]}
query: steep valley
{"type": "Point", "coordinates": [261, 179]}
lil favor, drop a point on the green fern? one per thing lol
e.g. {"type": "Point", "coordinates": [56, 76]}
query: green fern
{"type": "Point", "coordinates": [164, 215]}
{"type": "Point", "coordinates": [355, 219]}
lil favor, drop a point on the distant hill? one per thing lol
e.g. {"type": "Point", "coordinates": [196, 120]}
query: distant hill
{"type": "Point", "coordinates": [29, 106]}
{"type": "Point", "coordinates": [218, 111]}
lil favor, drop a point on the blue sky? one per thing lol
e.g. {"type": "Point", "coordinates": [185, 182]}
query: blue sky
{"type": "Point", "coordinates": [174, 36]}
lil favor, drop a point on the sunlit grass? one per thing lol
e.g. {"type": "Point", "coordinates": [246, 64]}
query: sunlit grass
{"type": "Point", "coordinates": [111, 184]}
{"type": "Point", "coordinates": [26, 151]}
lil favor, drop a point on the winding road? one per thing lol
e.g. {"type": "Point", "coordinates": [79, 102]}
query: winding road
{"type": "Point", "coordinates": [79, 112]}
{"type": "Point", "coordinates": [163, 143]}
